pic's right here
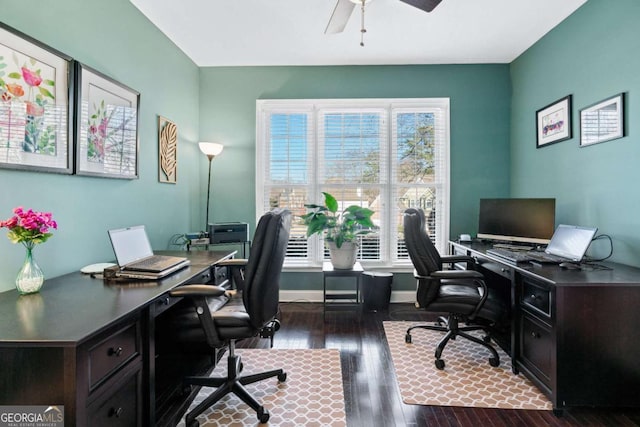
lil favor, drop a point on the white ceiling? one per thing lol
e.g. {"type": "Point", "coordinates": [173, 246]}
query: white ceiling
{"type": "Point", "coordinates": [291, 32]}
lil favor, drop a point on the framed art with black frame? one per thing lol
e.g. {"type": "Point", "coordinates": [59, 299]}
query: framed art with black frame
{"type": "Point", "coordinates": [106, 126]}
{"type": "Point", "coordinates": [603, 121]}
{"type": "Point", "coordinates": [36, 105]}
{"type": "Point", "coordinates": [553, 122]}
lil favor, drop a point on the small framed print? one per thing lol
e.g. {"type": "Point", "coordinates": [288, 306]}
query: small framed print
{"type": "Point", "coordinates": [167, 151]}
{"type": "Point", "coordinates": [553, 122]}
{"type": "Point", "coordinates": [603, 121]}
{"type": "Point", "coordinates": [106, 126]}
{"type": "Point", "coordinates": [36, 105]}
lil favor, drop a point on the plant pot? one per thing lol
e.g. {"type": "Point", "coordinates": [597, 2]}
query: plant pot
{"type": "Point", "coordinates": [344, 257]}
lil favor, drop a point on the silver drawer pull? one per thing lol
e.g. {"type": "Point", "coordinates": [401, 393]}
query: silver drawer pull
{"type": "Point", "coordinates": [534, 297]}
{"type": "Point", "coordinates": [115, 351]}
{"type": "Point", "coordinates": [535, 335]}
{"type": "Point", "coordinates": [115, 412]}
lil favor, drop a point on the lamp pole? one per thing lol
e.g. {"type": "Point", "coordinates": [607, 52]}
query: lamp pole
{"type": "Point", "coordinates": [206, 225]}
{"type": "Point", "coordinates": [211, 150]}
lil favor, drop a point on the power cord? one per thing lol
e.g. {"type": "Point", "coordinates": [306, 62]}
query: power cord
{"type": "Point", "coordinates": [601, 236]}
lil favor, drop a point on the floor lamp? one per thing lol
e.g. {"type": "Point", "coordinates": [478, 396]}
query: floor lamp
{"type": "Point", "coordinates": [211, 150]}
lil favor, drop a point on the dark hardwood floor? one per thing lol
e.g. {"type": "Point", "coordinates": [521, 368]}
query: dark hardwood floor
{"type": "Point", "coordinates": [372, 397]}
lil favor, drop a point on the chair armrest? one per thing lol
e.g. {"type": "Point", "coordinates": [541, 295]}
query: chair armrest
{"type": "Point", "coordinates": [197, 291]}
{"type": "Point", "coordinates": [234, 262]}
{"type": "Point", "coordinates": [457, 274]}
{"type": "Point", "coordinates": [450, 259]}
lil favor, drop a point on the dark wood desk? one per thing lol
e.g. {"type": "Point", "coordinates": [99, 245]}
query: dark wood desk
{"type": "Point", "coordinates": [574, 333]}
{"type": "Point", "coordinates": [88, 344]}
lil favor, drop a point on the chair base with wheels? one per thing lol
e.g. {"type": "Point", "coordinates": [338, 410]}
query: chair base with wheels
{"type": "Point", "coordinates": [232, 383]}
{"type": "Point", "coordinates": [451, 326]}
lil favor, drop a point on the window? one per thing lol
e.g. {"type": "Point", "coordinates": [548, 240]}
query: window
{"type": "Point", "coordinates": [385, 154]}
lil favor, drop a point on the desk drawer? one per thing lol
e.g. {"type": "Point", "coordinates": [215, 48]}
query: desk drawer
{"type": "Point", "coordinates": [499, 269]}
{"type": "Point", "coordinates": [536, 348]}
{"type": "Point", "coordinates": [121, 407]}
{"type": "Point", "coordinates": [536, 296]}
{"type": "Point", "coordinates": [113, 352]}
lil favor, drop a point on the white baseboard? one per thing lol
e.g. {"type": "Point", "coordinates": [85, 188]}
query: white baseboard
{"type": "Point", "coordinates": [317, 296]}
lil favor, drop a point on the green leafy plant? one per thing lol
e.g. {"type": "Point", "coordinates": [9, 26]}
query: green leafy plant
{"type": "Point", "coordinates": [339, 227]}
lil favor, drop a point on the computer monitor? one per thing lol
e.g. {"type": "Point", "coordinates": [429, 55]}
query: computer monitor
{"type": "Point", "coordinates": [524, 220]}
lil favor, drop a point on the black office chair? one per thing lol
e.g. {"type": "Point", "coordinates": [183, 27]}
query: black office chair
{"type": "Point", "coordinates": [462, 294]}
{"type": "Point", "coordinates": [255, 315]}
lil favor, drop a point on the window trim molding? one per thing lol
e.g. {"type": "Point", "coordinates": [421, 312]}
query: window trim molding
{"type": "Point", "coordinates": [313, 107]}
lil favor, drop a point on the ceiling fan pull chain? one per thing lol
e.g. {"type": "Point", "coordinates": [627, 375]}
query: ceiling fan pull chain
{"type": "Point", "coordinates": [362, 29]}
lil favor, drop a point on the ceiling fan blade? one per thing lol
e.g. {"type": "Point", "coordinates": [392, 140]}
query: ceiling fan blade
{"type": "Point", "coordinates": [340, 17]}
{"type": "Point", "coordinates": [426, 5]}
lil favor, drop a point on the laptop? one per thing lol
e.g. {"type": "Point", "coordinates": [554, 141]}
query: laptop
{"type": "Point", "coordinates": [569, 243]}
{"type": "Point", "coordinates": [135, 256]}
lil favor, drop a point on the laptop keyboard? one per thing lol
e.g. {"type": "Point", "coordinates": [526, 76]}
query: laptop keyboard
{"type": "Point", "coordinates": [153, 261]}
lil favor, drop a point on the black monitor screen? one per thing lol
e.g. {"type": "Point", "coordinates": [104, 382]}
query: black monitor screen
{"type": "Point", "coordinates": [517, 220]}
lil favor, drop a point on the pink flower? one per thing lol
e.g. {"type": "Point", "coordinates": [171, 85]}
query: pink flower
{"type": "Point", "coordinates": [34, 109]}
{"type": "Point", "coordinates": [93, 129]}
{"type": "Point", "coordinates": [29, 227]}
{"type": "Point", "coordinates": [102, 128]}
{"type": "Point", "coordinates": [30, 77]}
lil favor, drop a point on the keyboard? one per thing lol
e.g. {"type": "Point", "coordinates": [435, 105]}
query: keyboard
{"type": "Point", "coordinates": [545, 258]}
{"type": "Point", "coordinates": [509, 255]}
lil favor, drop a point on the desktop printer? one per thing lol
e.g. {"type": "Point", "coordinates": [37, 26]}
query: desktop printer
{"type": "Point", "coordinates": [229, 232]}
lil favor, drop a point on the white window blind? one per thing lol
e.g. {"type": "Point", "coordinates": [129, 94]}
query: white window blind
{"type": "Point", "coordinates": [383, 154]}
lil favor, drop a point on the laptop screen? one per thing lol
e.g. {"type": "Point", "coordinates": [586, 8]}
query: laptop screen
{"type": "Point", "coordinates": [130, 244]}
{"type": "Point", "coordinates": [570, 241]}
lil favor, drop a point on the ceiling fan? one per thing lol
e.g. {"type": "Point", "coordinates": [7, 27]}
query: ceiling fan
{"type": "Point", "coordinates": [344, 8]}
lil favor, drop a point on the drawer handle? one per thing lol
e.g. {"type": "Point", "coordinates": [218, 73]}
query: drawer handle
{"type": "Point", "coordinates": [504, 270]}
{"type": "Point", "coordinates": [164, 301]}
{"type": "Point", "coordinates": [535, 335]}
{"type": "Point", "coordinates": [115, 351]}
{"type": "Point", "coordinates": [115, 412]}
{"type": "Point", "coordinates": [534, 297]}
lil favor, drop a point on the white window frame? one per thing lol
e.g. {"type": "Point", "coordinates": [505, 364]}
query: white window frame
{"type": "Point", "coordinates": [388, 252]}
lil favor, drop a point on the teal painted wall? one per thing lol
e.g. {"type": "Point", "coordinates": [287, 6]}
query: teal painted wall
{"type": "Point", "coordinates": [592, 55]}
{"type": "Point", "coordinates": [480, 103]}
{"type": "Point", "coordinates": [116, 39]}
{"type": "Point", "coordinates": [480, 96]}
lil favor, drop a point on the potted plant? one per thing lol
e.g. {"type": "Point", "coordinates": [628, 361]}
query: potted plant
{"type": "Point", "coordinates": [340, 228]}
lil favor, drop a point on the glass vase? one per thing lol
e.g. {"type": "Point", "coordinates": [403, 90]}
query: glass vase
{"type": "Point", "coordinates": [30, 277]}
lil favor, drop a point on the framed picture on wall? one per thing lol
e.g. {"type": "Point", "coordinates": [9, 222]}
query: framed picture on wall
{"type": "Point", "coordinates": [36, 86]}
{"type": "Point", "coordinates": [106, 126]}
{"type": "Point", "coordinates": [553, 122]}
{"type": "Point", "coordinates": [167, 151]}
{"type": "Point", "coordinates": [603, 121]}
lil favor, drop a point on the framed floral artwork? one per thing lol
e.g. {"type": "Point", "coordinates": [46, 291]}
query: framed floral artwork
{"type": "Point", "coordinates": [106, 126]}
{"type": "Point", "coordinates": [36, 111]}
{"type": "Point", "coordinates": [553, 122]}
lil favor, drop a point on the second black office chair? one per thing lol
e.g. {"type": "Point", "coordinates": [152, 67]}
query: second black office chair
{"type": "Point", "coordinates": [255, 315]}
{"type": "Point", "coordinates": [463, 294]}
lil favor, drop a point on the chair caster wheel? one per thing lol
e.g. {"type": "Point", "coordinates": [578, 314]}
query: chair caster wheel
{"type": "Point", "coordinates": [494, 361]}
{"type": "Point", "coordinates": [407, 338]}
{"type": "Point", "coordinates": [263, 415]}
{"type": "Point", "coordinates": [276, 325]}
{"type": "Point", "coordinates": [440, 364]}
{"type": "Point", "coordinates": [282, 377]}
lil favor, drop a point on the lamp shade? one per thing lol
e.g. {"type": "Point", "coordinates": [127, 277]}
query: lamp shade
{"type": "Point", "coordinates": [210, 148]}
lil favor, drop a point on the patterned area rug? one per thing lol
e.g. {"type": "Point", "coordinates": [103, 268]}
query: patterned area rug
{"type": "Point", "coordinates": [467, 379]}
{"type": "Point", "coordinates": [311, 396]}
